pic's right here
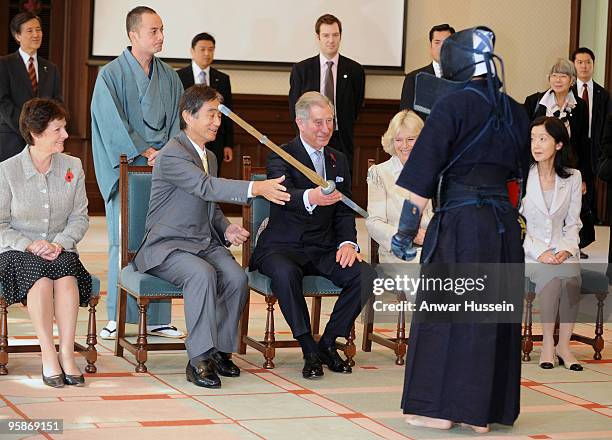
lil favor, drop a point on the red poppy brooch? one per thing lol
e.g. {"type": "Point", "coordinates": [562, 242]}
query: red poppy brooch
{"type": "Point", "coordinates": [69, 176]}
{"type": "Point", "coordinates": [333, 158]}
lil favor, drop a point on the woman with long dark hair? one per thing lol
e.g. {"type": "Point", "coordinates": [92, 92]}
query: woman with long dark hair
{"type": "Point", "coordinates": [552, 211]}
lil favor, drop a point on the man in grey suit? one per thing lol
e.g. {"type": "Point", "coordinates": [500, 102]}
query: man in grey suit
{"type": "Point", "coordinates": [187, 234]}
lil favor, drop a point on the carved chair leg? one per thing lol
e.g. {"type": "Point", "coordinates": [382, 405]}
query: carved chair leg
{"type": "Point", "coordinates": [3, 337]}
{"type": "Point", "coordinates": [598, 342]}
{"type": "Point", "coordinates": [92, 354]}
{"type": "Point", "coordinates": [243, 330]}
{"type": "Point", "coordinates": [400, 338]}
{"type": "Point", "coordinates": [368, 325]}
{"type": "Point", "coordinates": [315, 315]}
{"type": "Point", "coordinates": [527, 342]}
{"type": "Point", "coordinates": [269, 340]}
{"type": "Point", "coordinates": [141, 341]}
{"type": "Point", "coordinates": [349, 349]}
{"type": "Point", "coordinates": [121, 318]}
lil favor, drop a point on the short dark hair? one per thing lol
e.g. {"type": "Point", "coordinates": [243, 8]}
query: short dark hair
{"type": "Point", "coordinates": [134, 17]}
{"type": "Point", "coordinates": [194, 98]}
{"type": "Point", "coordinates": [586, 50]}
{"type": "Point", "coordinates": [556, 129]}
{"type": "Point", "coordinates": [327, 19]}
{"type": "Point", "coordinates": [440, 28]}
{"type": "Point", "coordinates": [36, 115]}
{"type": "Point", "coordinates": [20, 19]}
{"type": "Point", "coordinates": [204, 36]}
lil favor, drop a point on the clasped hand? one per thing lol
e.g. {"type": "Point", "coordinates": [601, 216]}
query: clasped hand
{"type": "Point", "coordinates": [549, 257]}
{"type": "Point", "coordinates": [44, 249]}
{"type": "Point", "coordinates": [150, 153]}
{"type": "Point", "coordinates": [236, 234]}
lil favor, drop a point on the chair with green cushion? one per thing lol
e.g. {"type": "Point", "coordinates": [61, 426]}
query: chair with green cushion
{"type": "Point", "coordinates": [593, 283]}
{"type": "Point", "coordinates": [88, 350]}
{"type": "Point", "coordinates": [317, 287]}
{"type": "Point", "coordinates": [135, 190]}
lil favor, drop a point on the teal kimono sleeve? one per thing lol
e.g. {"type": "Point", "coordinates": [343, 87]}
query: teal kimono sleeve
{"type": "Point", "coordinates": [111, 135]}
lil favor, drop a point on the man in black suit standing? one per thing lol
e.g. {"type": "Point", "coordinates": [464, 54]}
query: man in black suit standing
{"type": "Point", "coordinates": [599, 105]}
{"type": "Point", "coordinates": [437, 35]}
{"type": "Point", "coordinates": [337, 77]}
{"type": "Point", "coordinates": [200, 72]}
{"type": "Point", "coordinates": [23, 75]}
{"type": "Point", "coordinates": [313, 234]}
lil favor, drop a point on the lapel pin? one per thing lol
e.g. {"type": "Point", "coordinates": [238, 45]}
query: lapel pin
{"type": "Point", "coordinates": [345, 75]}
{"type": "Point", "coordinates": [45, 68]}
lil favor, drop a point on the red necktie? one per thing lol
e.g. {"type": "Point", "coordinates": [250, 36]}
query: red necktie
{"type": "Point", "coordinates": [585, 94]}
{"type": "Point", "coordinates": [32, 75]}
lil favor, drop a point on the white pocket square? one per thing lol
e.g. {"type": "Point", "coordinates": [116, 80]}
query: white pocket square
{"type": "Point", "coordinates": [339, 179]}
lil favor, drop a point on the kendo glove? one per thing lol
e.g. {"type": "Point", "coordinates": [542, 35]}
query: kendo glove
{"type": "Point", "coordinates": [402, 243]}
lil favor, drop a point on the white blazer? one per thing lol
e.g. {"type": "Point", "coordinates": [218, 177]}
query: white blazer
{"type": "Point", "coordinates": [385, 207]}
{"type": "Point", "coordinates": [556, 228]}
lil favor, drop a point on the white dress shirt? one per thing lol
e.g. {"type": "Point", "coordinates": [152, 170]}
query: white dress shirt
{"type": "Point", "coordinates": [580, 88]}
{"type": "Point", "coordinates": [437, 68]}
{"type": "Point", "coordinates": [310, 208]}
{"type": "Point", "coordinates": [26, 60]}
{"type": "Point", "coordinates": [204, 158]}
{"type": "Point", "coordinates": [196, 73]}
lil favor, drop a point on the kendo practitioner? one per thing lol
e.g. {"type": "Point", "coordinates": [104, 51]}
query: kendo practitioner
{"type": "Point", "coordinates": [475, 139]}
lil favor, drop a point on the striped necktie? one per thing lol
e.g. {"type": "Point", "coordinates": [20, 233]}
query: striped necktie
{"type": "Point", "coordinates": [32, 75]}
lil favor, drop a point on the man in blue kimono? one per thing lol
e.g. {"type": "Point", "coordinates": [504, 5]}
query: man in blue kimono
{"type": "Point", "coordinates": [134, 111]}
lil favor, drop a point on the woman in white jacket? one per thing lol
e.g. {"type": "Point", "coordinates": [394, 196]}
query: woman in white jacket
{"type": "Point", "coordinates": [552, 210]}
{"type": "Point", "coordinates": [384, 198]}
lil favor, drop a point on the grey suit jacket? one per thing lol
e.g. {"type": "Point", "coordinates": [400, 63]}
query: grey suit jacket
{"type": "Point", "coordinates": [183, 210]}
{"type": "Point", "coordinates": [34, 206]}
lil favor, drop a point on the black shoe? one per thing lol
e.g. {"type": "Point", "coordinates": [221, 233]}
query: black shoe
{"type": "Point", "coordinates": [204, 375]}
{"type": "Point", "coordinates": [547, 365]}
{"type": "Point", "coordinates": [224, 365]}
{"type": "Point", "coordinates": [583, 256]}
{"type": "Point", "coordinates": [56, 381]}
{"type": "Point", "coordinates": [312, 366]}
{"type": "Point", "coordinates": [77, 381]}
{"type": "Point", "coordinates": [330, 357]}
{"type": "Point", "coordinates": [573, 367]}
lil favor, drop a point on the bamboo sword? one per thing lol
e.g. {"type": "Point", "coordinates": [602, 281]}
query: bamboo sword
{"type": "Point", "coordinates": [328, 186]}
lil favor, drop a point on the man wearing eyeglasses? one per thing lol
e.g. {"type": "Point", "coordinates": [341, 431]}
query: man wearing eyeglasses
{"type": "Point", "coordinates": [134, 111]}
{"type": "Point", "coordinates": [187, 236]}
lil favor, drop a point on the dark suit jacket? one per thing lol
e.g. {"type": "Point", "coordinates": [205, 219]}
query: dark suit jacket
{"type": "Point", "coordinates": [407, 99]}
{"type": "Point", "coordinates": [15, 90]}
{"type": "Point", "coordinates": [220, 82]}
{"type": "Point", "coordinates": [183, 210]}
{"type": "Point", "coordinates": [602, 106]}
{"type": "Point", "coordinates": [579, 127]}
{"type": "Point", "coordinates": [350, 91]}
{"type": "Point", "coordinates": [291, 227]}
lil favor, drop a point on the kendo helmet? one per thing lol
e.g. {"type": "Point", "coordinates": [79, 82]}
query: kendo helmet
{"type": "Point", "coordinates": [467, 54]}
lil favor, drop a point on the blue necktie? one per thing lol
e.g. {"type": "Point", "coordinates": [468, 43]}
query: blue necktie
{"type": "Point", "coordinates": [318, 163]}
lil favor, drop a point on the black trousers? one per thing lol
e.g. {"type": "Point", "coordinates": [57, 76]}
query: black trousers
{"type": "Point", "coordinates": [287, 270]}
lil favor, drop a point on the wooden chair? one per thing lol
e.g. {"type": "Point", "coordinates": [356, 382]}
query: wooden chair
{"type": "Point", "coordinates": [593, 283]}
{"type": "Point", "coordinates": [314, 286]}
{"type": "Point", "coordinates": [399, 343]}
{"type": "Point", "coordinates": [88, 350]}
{"type": "Point", "coordinates": [135, 190]}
